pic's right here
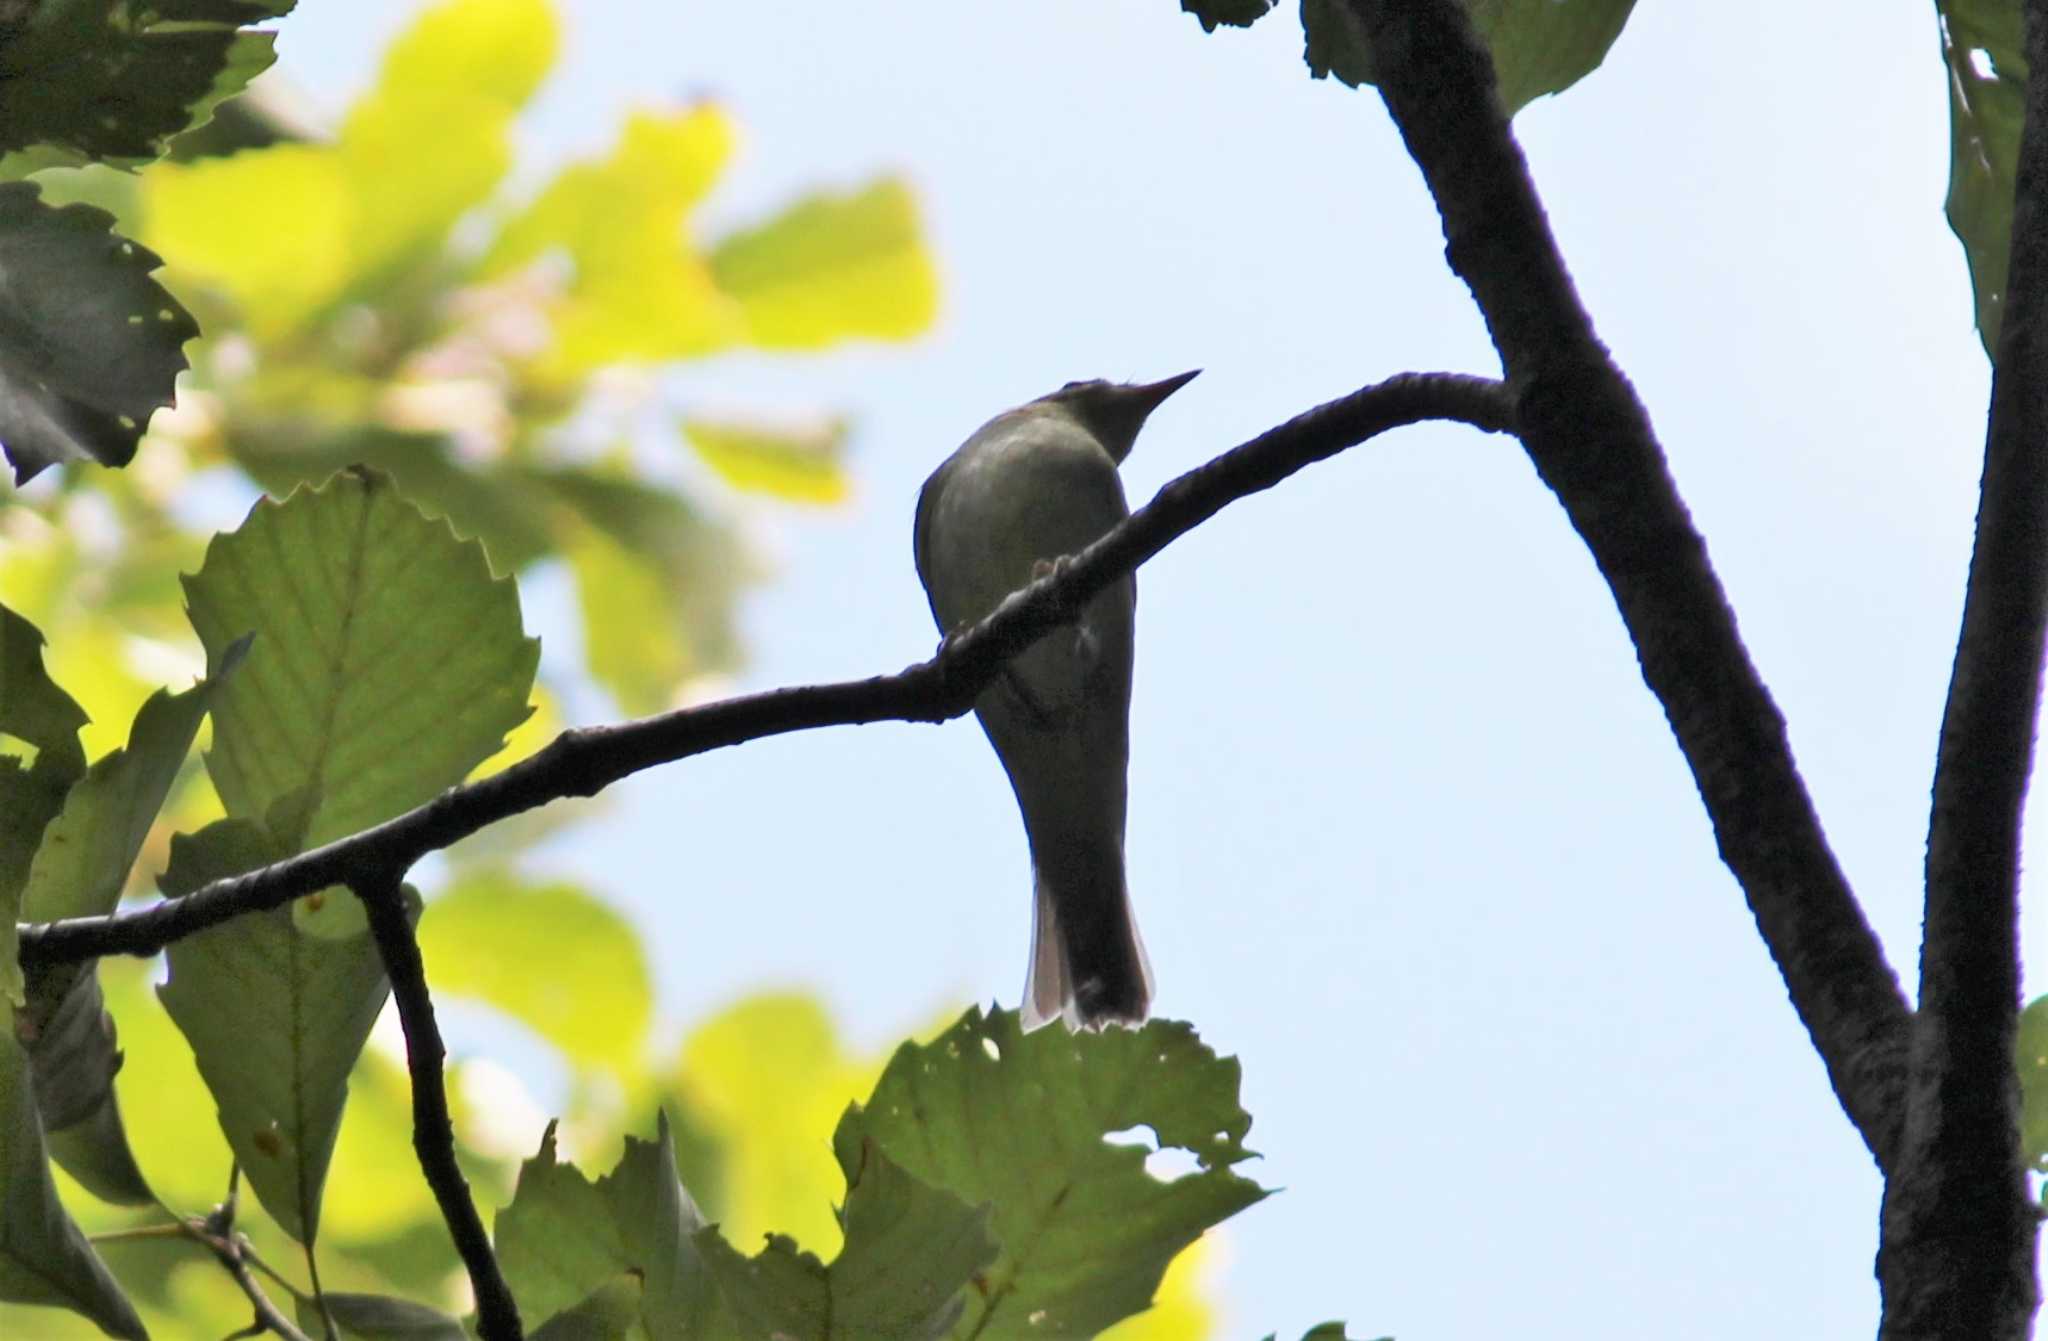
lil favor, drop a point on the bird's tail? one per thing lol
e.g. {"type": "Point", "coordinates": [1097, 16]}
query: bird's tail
{"type": "Point", "coordinates": [1088, 964]}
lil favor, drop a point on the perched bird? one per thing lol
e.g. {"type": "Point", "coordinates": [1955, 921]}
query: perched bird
{"type": "Point", "coordinates": [1031, 487]}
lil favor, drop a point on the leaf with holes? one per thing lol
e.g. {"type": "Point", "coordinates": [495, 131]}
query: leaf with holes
{"type": "Point", "coordinates": [388, 661]}
{"type": "Point", "coordinates": [90, 345]}
{"type": "Point", "coordinates": [44, 1259]}
{"type": "Point", "coordinates": [114, 80]}
{"type": "Point", "coordinates": [910, 1252]}
{"type": "Point", "coordinates": [1538, 46]}
{"type": "Point", "coordinates": [1023, 1121]}
{"type": "Point", "coordinates": [1987, 81]}
{"type": "Point", "coordinates": [276, 1006]}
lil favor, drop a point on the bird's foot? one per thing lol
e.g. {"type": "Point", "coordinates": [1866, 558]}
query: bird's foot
{"type": "Point", "coordinates": [1051, 567]}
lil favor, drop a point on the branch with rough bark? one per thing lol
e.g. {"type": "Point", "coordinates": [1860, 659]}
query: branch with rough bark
{"type": "Point", "coordinates": [584, 761]}
{"type": "Point", "coordinates": [1591, 442]}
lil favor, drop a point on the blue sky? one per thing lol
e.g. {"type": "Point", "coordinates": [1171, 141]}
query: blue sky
{"type": "Point", "coordinates": [1408, 834]}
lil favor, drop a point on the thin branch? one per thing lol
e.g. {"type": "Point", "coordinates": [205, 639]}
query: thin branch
{"type": "Point", "coordinates": [433, 1131]}
{"type": "Point", "coordinates": [1592, 443]}
{"type": "Point", "coordinates": [584, 761]}
{"type": "Point", "coordinates": [217, 1233]}
{"type": "Point", "coordinates": [1957, 1256]}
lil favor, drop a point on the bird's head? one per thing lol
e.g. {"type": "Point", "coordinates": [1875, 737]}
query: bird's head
{"type": "Point", "coordinates": [1115, 411]}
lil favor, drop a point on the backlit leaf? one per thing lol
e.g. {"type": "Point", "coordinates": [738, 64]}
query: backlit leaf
{"type": "Point", "coordinates": [388, 661]}
{"type": "Point", "coordinates": [830, 268]}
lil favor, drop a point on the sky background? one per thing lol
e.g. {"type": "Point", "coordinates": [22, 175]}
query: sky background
{"type": "Point", "coordinates": [1408, 834]}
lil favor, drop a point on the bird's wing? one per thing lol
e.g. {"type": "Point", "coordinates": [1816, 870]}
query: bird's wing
{"type": "Point", "coordinates": [1061, 673]}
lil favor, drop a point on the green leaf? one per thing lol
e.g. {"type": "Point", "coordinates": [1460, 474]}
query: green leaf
{"type": "Point", "coordinates": [1087, 1232]}
{"type": "Point", "coordinates": [564, 1237]}
{"type": "Point", "coordinates": [32, 708]}
{"type": "Point", "coordinates": [1538, 46]}
{"type": "Point", "coordinates": [609, 1313]}
{"type": "Point", "coordinates": [657, 579]}
{"type": "Point", "coordinates": [549, 955]}
{"type": "Point", "coordinates": [831, 268]}
{"type": "Point", "coordinates": [388, 662]}
{"type": "Point", "coordinates": [1987, 82]}
{"type": "Point", "coordinates": [114, 80]}
{"type": "Point", "coordinates": [90, 345]}
{"type": "Point", "coordinates": [910, 1250]}
{"type": "Point", "coordinates": [34, 711]}
{"type": "Point", "coordinates": [276, 1015]}
{"type": "Point", "coordinates": [89, 848]}
{"type": "Point", "coordinates": [493, 503]}
{"type": "Point", "coordinates": [796, 465]}
{"type": "Point", "coordinates": [44, 1259]}
{"type": "Point", "coordinates": [376, 1317]}
{"type": "Point", "coordinates": [1235, 13]}
{"type": "Point", "coordinates": [75, 1059]}
{"type": "Point", "coordinates": [2033, 1064]}
{"type": "Point", "coordinates": [78, 871]}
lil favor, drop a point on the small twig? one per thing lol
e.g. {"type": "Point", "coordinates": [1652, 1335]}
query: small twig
{"type": "Point", "coordinates": [433, 1131]}
{"type": "Point", "coordinates": [231, 1250]}
{"type": "Point", "coordinates": [584, 761]}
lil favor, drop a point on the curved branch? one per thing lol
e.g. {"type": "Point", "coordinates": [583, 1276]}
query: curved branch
{"type": "Point", "coordinates": [583, 761]}
{"type": "Point", "coordinates": [1957, 1257]}
{"type": "Point", "coordinates": [433, 1131]}
{"type": "Point", "coordinates": [1592, 443]}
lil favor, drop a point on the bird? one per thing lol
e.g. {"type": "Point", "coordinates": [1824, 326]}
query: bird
{"type": "Point", "coordinates": [1028, 490]}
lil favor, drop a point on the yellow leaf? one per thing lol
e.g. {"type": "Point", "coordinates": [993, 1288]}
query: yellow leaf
{"type": "Point", "coordinates": [542, 725]}
{"type": "Point", "coordinates": [430, 141]}
{"type": "Point", "coordinates": [284, 231]}
{"type": "Point", "coordinates": [500, 49]}
{"type": "Point", "coordinates": [632, 642]}
{"type": "Point", "coordinates": [796, 465]}
{"type": "Point", "coordinates": [638, 291]}
{"type": "Point", "coordinates": [551, 956]}
{"type": "Point", "coordinates": [379, 1193]}
{"type": "Point", "coordinates": [770, 1077]}
{"type": "Point", "coordinates": [831, 268]}
{"type": "Point", "coordinates": [270, 228]}
{"type": "Point", "coordinates": [1180, 1311]}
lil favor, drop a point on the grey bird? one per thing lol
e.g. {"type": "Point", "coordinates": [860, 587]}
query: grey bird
{"type": "Point", "coordinates": [1032, 487]}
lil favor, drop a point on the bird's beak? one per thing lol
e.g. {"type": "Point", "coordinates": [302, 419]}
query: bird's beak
{"type": "Point", "coordinates": [1150, 394]}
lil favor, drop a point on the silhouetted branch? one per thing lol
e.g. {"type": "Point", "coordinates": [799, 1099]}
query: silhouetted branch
{"type": "Point", "coordinates": [583, 761]}
{"type": "Point", "coordinates": [1592, 443]}
{"type": "Point", "coordinates": [1958, 1250]}
{"type": "Point", "coordinates": [433, 1131]}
